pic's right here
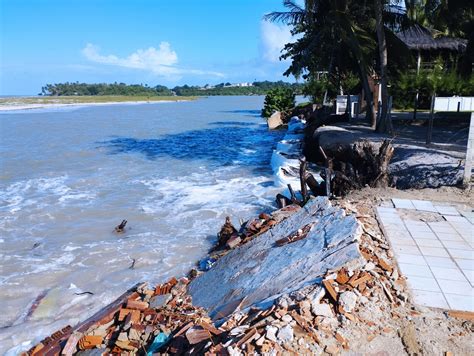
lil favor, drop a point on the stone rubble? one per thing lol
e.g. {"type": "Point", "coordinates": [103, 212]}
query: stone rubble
{"type": "Point", "coordinates": [348, 308]}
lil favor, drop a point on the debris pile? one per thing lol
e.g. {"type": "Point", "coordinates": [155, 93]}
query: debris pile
{"type": "Point", "coordinates": [345, 309]}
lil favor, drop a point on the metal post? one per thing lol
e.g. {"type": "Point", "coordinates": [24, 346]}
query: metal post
{"type": "Point", "coordinates": [389, 115]}
{"type": "Point", "coordinates": [469, 154]}
{"type": "Point", "coordinates": [416, 105]}
{"type": "Point", "coordinates": [430, 121]}
{"type": "Point", "coordinates": [349, 106]}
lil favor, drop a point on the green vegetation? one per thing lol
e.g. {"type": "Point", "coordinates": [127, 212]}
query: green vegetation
{"type": "Point", "coordinates": [340, 40]}
{"type": "Point", "coordinates": [426, 83]}
{"type": "Point", "coordinates": [257, 88]}
{"type": "Point", "coordinates": [278, 99]}
{"type": "Point", "coordinates": [47, 100]}
{"type": "Point", "coordinates": [83, 89]}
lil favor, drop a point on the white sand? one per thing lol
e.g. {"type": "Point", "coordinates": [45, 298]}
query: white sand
{"type": "Point", "coordinates": [14, 106]}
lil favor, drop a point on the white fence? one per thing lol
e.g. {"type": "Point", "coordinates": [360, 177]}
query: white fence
{"type": "Point", "coordinates": [454, 104]}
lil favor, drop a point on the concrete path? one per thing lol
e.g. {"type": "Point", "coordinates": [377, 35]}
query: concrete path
{"type": "Point", "coordinates": [434, 247]}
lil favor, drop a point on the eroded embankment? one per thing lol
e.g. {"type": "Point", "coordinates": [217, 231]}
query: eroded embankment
{"type": "Point", "coordinates": [361, 305]}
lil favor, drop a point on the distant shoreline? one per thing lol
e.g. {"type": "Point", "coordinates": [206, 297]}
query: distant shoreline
{"type": "Point", "coordinates": [32, 103]}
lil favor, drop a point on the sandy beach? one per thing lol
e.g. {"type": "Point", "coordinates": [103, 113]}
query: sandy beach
{"type": "Point", "coordinates": [30, 103]}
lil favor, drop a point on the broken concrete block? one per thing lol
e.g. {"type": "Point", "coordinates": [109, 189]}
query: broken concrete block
{"type": "Point", "coordinates": [259, 271]}
{"type": "Point", "coordinates": [271, 333]}
{"type": "Point", "coordinates": [348, 301]}
{"type": "Point", "coordinates": [275, 120]}
{"type": "Point", "coordinates": [322, 310]}
{"type": "Point", "coordinates": [285, 334]}
{"type": "Point", "coordinates": [123, 336]}
{"type": "Point", "coordinates": [160, 300]}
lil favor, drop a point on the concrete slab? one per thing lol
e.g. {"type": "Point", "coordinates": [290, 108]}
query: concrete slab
{"type": "Point", "coordinates": [260, 270]}
{"type": "Point", "coordinates": [446, 210]}
{"type": "Point", "coordinates": [437, 257]}
{"type": "Point", "coordinates": [403, 203]}
{"type": "Point", "coordinates": [424, 205]}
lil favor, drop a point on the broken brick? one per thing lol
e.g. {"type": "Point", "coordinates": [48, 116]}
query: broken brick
{"type": "Point", "coordinates": [137, 304]}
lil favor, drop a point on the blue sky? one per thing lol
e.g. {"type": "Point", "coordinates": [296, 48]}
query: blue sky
{"type": "Point", "coordinates": [169, 42]}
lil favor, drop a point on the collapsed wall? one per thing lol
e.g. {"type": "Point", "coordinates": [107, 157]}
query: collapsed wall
{"type": "Point", "coordinates": [261, 270]}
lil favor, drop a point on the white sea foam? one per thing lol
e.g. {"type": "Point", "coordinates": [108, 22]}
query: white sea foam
{"type": "Point", "coordinates": [57, 221]}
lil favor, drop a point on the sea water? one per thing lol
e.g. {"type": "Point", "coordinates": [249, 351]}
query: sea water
{"type": "Point", "coordinates": [68, 176]}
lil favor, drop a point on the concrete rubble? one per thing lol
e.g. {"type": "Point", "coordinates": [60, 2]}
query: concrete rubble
{"type": "Point", "coordinates": [348, 297]}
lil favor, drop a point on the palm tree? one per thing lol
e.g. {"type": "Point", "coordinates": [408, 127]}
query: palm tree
{"type": "Point", "coordinates": [330, 33]}
{"type": "Point", "coordinates": [384, 124]}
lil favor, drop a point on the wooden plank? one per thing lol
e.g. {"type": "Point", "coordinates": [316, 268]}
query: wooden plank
{"type": "Point", "coordinates": [327, 284]}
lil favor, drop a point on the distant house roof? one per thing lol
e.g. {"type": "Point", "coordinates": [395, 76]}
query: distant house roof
{"type": "Point", "coordinates": [420, 38]}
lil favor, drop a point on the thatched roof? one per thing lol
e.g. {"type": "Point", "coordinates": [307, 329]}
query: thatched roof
{"type": "Point", "coordinates": [420, 38]}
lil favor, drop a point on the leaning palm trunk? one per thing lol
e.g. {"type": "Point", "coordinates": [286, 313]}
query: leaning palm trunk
{"type": "Point", "coordinates": [383, 124]}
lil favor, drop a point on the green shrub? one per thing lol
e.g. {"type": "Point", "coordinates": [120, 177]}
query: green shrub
{"type": "Point", "coordinates": [428, 82]}
{"type": "Point", "coordinates": [279, 99]}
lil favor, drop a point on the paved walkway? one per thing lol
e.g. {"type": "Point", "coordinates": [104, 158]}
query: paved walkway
{"type": "Point", "coordinates": [434, 247]}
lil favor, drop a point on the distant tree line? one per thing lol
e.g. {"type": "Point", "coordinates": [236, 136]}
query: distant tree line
{"type": "Point", "coordinates": [78, 89]}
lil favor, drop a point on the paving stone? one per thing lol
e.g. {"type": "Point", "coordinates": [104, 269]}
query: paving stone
{"type": "Point", "coordinates": [458, 218]}
{"type": "Point", "coordinates": [453, 236]}
{"type": "Point", "coordinates": [457, 244]}
{"type": "Point", "coordinates": [402, 203]}
{"type": "Point", "coordinates": [386, 210]}
{"type": "Point", "coordinates": [440, 262]}
{"type": "Point", "coordinates": [446, 210]}
{"type": "Point", "coordinates": [430, 299]}
{"type": "Point", "coordinates": [456, 253]}
{"type": "Point", "coordinates": [405, 242]}
{"type": "Point", "coordinates": [469, 215]}
{"type": "Point", "coordinates": [415, 270]}
{"type": "Point", "coordinates": [424, 205]}
{"type": "Point", "coordinates": [424, 284]}
{"type": "Point", "coordinates": [434, 251]}
{"type": "Point", "coordinates": [469, 274]}
{"type": "Point", "coordinates": [460, 302]}
{"type": "Point", "coordinates": [456, 287]}
{"type": "Point", "coordinates": [411, 259]}
{"type": "Point", "coordinates": [465, 264]}
{"type": "Point", "coordinates": [453, 274]}
{"type": "Point", "coordinates": [428, 243]}
{"type": "Point", "coordinates": [423, 235]}
{"type": "Point", "coordinates": [412, 250]}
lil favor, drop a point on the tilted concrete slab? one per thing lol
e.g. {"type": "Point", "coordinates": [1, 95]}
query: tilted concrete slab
{"type": "Point", "coordinates": [260, 271]}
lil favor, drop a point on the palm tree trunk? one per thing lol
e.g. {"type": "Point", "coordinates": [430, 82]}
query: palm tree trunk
{"type": "Point", "coordinates": [382, 125]}
{"type": "Point", "coordinates": [369, 97]}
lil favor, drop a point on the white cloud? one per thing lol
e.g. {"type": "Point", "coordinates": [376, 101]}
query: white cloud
{"type": "Point", "coordinates": [273, 38]}
{"type": "Point", "coordinates": [161, 61]}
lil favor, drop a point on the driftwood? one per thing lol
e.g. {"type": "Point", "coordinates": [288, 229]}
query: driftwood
{"type": "Point", "coordinates": [121, 227]}
{"type": "Point", "coordinates": [227, 230]}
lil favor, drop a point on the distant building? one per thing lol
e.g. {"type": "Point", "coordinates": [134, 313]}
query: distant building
{"type": "Point", "coordinates": [245, 84]}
